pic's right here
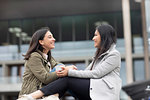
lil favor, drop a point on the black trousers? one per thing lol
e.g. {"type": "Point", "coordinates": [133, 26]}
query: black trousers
{"type": "Point", "coordinates": [78, 86]}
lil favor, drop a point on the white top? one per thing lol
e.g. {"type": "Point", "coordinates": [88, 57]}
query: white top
{"type": "Point", "coordinates": [46, 56]}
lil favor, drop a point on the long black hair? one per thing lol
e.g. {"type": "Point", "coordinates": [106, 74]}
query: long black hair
{"type": "Point", "coordinates": [108, 37]}
{"type": "Point", "coordinates": [35, 46]}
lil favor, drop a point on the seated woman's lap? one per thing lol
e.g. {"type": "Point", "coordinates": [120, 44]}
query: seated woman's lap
{"type": "Point", "coordinates": [79, 87]}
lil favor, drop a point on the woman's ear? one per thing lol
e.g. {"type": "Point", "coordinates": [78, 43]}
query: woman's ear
{"type": "Point", "coordinates": [41, 42]}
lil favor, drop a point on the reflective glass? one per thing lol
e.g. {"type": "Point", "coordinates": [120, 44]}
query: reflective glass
{"type": "Point", "coordinates": [139, 72]}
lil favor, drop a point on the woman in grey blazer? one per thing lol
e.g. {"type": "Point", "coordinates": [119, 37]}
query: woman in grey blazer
{"type": "Point", "coordinates": [99, 81]}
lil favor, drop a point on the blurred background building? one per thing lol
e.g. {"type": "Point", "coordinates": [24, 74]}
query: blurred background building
{"type": "Point", "coordinates": [72, 23]}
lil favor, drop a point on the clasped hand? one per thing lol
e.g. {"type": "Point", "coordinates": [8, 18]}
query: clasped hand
{"type": "Point", "coordinates": [64, 71]}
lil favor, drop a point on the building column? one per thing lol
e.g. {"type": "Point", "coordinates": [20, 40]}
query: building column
{"type": "Point", "coordinates": [145, 40]}
{"type": "Point", "coordinates": [4, 70]}
{"type": "Point", "coordinates": [127, 37]}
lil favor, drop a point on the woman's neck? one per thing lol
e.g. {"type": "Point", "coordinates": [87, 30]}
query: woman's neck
{"type": "Point", "coordinates": [45, 55]}
{"type": "Point", "coordinates": [45, 51]}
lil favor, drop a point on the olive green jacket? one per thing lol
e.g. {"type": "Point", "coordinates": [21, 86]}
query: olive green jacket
{"type": "Point", "coordinates": [37, 73]}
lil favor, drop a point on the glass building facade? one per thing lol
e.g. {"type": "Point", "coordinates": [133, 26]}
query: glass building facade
{"type": "Point", "coordinates": [73, 33]}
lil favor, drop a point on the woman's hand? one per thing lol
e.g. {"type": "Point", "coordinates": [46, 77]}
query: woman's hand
{"type": "Point", "coordinates": [71, 67]}
{"type": "Point", "coordinates": [64, 71]}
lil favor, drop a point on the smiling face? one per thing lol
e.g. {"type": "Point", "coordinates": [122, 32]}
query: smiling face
{"type": "Point", "coordinates": [97, 39]}
{"type": "Point", "coordinates": [48, 41]}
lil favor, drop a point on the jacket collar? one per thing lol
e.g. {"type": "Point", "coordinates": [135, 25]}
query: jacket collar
{"type": "Point", "coordinates": [110, 49]}
{"type": "Point", "coordinates": [45, 60]}
{"type": "Point", "coordinates": [41, 53]}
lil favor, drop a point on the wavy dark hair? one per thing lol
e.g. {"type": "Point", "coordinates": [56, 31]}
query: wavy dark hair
{"type": "Point", "coordinates": [35, 46]}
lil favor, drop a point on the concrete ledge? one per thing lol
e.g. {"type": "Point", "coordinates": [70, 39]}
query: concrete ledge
{"type": "Point", "coordinates": [10, 87]}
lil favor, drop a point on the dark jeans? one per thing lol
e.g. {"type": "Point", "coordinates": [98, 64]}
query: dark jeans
{"type": "Point", "coordinates": [79, 87]}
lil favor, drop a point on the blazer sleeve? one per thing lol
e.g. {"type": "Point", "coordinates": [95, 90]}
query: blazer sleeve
{"type": "Point", "coordinates": [111, 62]}
{"type": "Point", "coordinates": [37, 67]}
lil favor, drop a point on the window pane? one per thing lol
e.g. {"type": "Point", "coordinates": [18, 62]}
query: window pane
{"type": "Point", "coordinates": [123, 72]}
{"type": "Point", "coordinates": [14, 39]}
{"type": "Point", "coordinates": [39, 23]}
{"type": "Point", "coordinates": [118, 24]}
{"type": "Point", "coordinates": [15, 23]}
{"type": "Point", "coordinates": [80, 27]}
{"type": "Point", "coordinates": [4, 38]}
{"type": "Point", "coordinates": [138, 45]}
{"type": "Point", "coordinates": [53, 24]}
{"type": "Point", "coordinates": [114, 19]}
{"type": "Point", "coordinates": [124, 81]}
{"type": "Point", "coordinates": [136, 23]}
{"type": "Point", "coordinates": [139, 73]}
{"type": "Point", "coordinates": [66, 24]}
{"type": "Point", "coordinates": [92, 19]}
{"type": "Point", "coordinates": [28, 29]}
{"type": "Point", "coordinates": [28, 26]}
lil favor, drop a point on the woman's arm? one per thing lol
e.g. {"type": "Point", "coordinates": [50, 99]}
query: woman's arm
{"type": "Point", "coordinates": [36, 66]}
{"type": "Point", "coordinates": [111, 62]}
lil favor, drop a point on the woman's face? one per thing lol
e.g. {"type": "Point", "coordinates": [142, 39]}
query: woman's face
{"type": "Point", "coordinates": [97, 39]}
{"type": "Point", "coordinates": [48, 41]}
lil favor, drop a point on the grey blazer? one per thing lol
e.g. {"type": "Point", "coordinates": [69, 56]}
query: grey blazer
{"type": "Point", "coordinates": [105, 82]}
